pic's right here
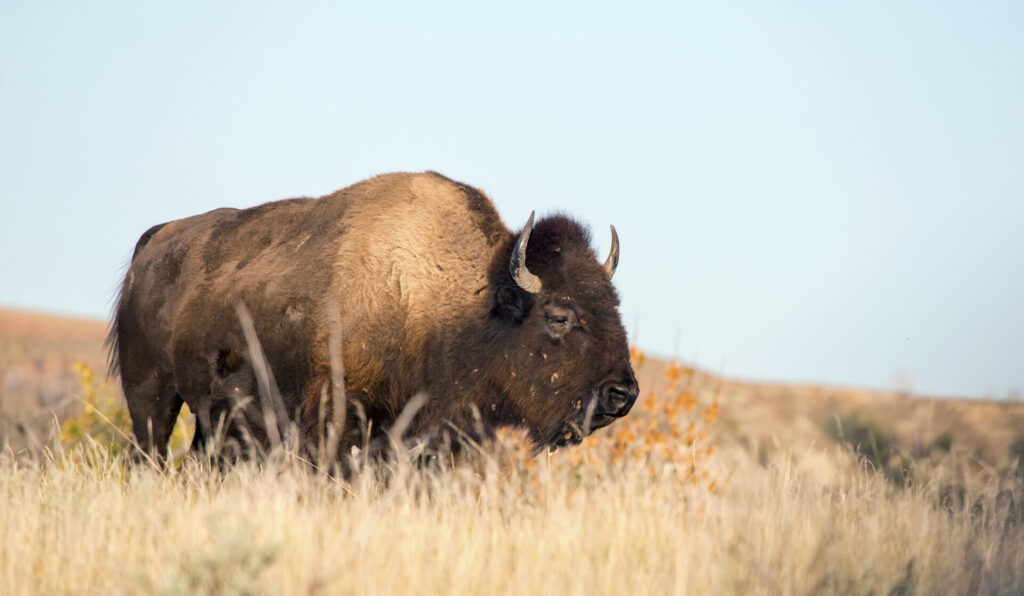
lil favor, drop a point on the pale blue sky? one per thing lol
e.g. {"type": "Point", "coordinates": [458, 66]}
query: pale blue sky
{"type": "Point", "coordinates": [804, 191]}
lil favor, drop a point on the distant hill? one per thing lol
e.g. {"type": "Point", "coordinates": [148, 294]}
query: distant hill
{"type": "Point", "coordinates": [31, 336]}
{"type": "Point", "coordinates": [767, 417]}
{"type": "Point", "coordinates": [36, 353]}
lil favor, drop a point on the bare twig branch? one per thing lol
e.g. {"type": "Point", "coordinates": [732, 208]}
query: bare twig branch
{"type": "Point", "coordinates": [405, 418]}
{"type": "Point", "coordinates": [270, 397]}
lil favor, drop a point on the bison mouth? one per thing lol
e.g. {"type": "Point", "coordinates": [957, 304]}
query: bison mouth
{"type": "Point", "coordinates": [612, 399]}
{"type": "Point", "coordinates": [574, 431]}
{"type": "Point", "coordinates": [568, 436]}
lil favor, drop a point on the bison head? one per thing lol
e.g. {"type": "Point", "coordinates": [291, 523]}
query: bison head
{"type": "Point", "coordinates": [566, 357]}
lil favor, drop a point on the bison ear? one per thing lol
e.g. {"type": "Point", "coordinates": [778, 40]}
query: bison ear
{"type": "Point", "coordinates": [511, 305]}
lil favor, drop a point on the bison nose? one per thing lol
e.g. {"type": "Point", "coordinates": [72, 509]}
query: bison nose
{"type": "Point", "coordinates": [619, 397]}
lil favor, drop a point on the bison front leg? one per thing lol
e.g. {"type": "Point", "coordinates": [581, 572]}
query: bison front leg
{"type": "Point", "coordinates": [228, 428]}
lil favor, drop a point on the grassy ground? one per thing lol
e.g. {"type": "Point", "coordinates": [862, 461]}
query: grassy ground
{"type": "Point", "coordinates": [708, 486]}
{"type": "Point", "coordinates": [83, 522]}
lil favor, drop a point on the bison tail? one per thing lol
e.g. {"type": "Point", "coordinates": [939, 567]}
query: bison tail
{"type": "Point", "coordinates": [112, 343]}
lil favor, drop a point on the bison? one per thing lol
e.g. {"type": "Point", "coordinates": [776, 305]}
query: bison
{"type": "Point", "coordinates": [401, 285]}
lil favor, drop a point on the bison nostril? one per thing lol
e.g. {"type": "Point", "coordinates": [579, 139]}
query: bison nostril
{"type": "Point", "coordinates": [619, 397]}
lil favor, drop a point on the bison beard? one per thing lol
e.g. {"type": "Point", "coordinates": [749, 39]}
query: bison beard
{"type": "Point", "coordinates": [402, 285]}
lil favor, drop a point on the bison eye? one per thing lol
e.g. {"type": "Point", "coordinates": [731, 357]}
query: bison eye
{"type": "Point", "coordinates": [559, 321]}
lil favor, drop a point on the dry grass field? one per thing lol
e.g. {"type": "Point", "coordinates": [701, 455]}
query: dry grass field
{"type": "Point", "coordinates": [708, 486]}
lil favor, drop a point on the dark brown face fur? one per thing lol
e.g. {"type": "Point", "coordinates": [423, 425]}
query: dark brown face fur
{"type": "Point", "coordinates": [563, 366]}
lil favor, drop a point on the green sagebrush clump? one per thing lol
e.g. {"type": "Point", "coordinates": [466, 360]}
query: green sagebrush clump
{"type": "Point", "coordinates": [869, 440]}
{"type": "Point", "coordinates": [943, 441]}
{"type": "Point", "coordinates": [1017, 454]}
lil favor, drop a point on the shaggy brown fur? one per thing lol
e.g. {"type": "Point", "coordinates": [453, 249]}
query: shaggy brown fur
{"type": "Point", "coordinates": [413, 269]}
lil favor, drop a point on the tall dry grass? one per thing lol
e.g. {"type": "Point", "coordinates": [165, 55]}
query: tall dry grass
{"type": "Point", "coordinates": [648, 505]}
{"type": "Point", "coordinates": [84, 522]}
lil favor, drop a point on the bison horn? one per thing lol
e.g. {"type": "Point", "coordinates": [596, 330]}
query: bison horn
{"type": "Point", "coordinates": [613, 256]}
{"type": "Point", "coordinates": [517, 264]}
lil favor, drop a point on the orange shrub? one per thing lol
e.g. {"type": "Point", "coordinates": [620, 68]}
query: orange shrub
{"type": "Point", "coordinates": [665, 431]}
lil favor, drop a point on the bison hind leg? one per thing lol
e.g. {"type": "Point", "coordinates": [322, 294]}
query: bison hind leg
{"type": "Point", "coordinates": [154, 405]}
{"type": "Point", "coordinates": [201, 438]}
